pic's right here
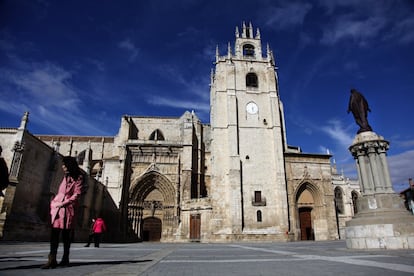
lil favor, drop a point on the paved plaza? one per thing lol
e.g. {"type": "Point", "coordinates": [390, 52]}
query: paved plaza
{"type": "Point", "coordinates": [295, 258]}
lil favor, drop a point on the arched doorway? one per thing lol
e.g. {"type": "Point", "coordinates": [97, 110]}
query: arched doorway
{"type": "Point", "coordinates": [152, 229]}
{"type": "Point", "coordinates": [306, 211]}
{"type": "Point", "coordinates": [305, 221]}
{"type": "Point", "coordinates": [314, 214]}
{"type": "Point", "coordinates": [151, 208]}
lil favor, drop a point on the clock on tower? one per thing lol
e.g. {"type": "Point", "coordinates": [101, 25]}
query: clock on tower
{"type": "Point", "coordinates": [252, 108]}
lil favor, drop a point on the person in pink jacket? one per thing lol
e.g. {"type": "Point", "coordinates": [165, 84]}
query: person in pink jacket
{"type": "Point", "coordinates": [98, 228]}
{"type": "Point", "coordinates": [63, 210]}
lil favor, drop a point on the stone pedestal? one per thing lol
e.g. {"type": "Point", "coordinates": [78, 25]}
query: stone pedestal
{"type": "Point", "coordinates": [382, 222]}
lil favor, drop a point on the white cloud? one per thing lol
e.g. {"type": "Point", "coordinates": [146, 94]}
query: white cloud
{"type": "Point", "coordinates": [196, 84]}
{"type": "Point", "coordinates": [66, 122]}
{"type": "Point", "coordinates": [130, 47]}
{"type": "Point", "coordinates": [331, 5]}
{"type": "Point", "coordinates": [209, 51]}
{"type": "Point", "coordinates": [364, 21]}
{"type": "Point", "coordinates": [14, 108]}
{"type": "Point", "coordinates": [99, 64]}
{"type": "Point", "coordinates": [305, 39]}
{"type": "Point", "coordinates": [315, 69]}
{"type": "Point", "coordinates": [360, 31]}
{"type": "Point", "coordinates": [401, 167]}
{"type": "Point", "coordinates": [341, 138]}
{"type": "Point", "coordinates": [338, 133]}
{"type": "Point", "coordinates": [406, 144]}
{"type": "Point", "coordinates": [47, 91]}
{"type": "Point", "coordinates": [6, 45]}
{"type": "Point", "coordinates": [402, 31]}
{"type": "Point", "coordinates": [173, 102]}
{"type": "Point", "coordinates": [44, 84]}
{"type": "Point", "coordinates": [351, 65]}
{"type": "Point", "coordinates": [188, 32]}
{"type": "Point", "coordinates": [287, 15]}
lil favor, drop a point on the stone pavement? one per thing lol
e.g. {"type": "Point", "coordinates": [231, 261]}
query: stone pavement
{"type": "Point", "coordinates": [294, 258]}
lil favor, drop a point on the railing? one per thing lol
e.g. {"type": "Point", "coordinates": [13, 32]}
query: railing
{"type": "Point", "coordinates": [262, 202]}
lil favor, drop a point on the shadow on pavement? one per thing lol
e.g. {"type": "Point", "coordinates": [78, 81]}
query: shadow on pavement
{"type": "Point", "coordinates": [77, 264]}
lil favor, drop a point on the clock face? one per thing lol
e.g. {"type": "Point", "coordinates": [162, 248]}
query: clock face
{"type": "Point", "coordinates": [252, 108]}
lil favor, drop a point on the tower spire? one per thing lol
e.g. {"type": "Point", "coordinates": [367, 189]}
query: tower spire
{"type": "Point", "coordinates": [24, 121]}
{"type": "Point", "coordinates": [257, 33]}
{"type": "Point", "coordinates": [270, 56]}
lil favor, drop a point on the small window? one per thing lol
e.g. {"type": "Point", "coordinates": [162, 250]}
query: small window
{"type": "Point", "coordinates": [257, 196]}
{"type": "Point", "coordinates": [258, 199]}
{"type": "Point", "coordinates": [248, 50]}
{"type": "Point", "coordinates": [259, 216]}
{"type": "Point", "coordinates": [251, 80]}
{"type": "Point", "coordinates": [157, 135]}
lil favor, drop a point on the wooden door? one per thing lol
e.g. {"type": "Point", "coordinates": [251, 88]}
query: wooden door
{"type": "Point", "coordinates": [152, 229]}
{"type": "Point", "coordinates": [195, 226]}
{"type": "Point", "coordinates": [305, 218]}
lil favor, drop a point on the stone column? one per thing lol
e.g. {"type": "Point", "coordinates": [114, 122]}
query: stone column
{"type": "Point", "coordinates": [382, 221]}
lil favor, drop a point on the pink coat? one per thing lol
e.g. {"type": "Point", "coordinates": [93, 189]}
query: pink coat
{"type": "Point", "coordinates": [64, 205]}
{"type": "Point", "coordinates": [99, 226]}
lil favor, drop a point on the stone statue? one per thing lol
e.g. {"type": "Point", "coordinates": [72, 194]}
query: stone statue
{"type": "Point", "coordinates": [359, 107]}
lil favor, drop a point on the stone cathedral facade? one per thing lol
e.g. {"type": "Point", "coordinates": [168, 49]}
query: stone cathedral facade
{"type": "Point", "coordinates": [177, 179]}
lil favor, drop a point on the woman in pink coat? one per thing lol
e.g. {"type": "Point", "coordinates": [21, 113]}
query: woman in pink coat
{"type": "Point", "coordinates": [63, 209]}
{"type": "Point", "coordinates": [98, 228]}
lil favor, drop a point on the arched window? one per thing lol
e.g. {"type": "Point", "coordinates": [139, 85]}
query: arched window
{"type": "Point", "coordinates": [81, 157]}
{"type": "Point", "coordinates": [259, 216]}
{"type": "Point", "coordinates": [338, 200]}
{"type": "Point", "coordinates": [248, 50]}
{"type": "Point", "coordinates": [251, 80]}
{"type": "Point", "coordinates": [157, 135]}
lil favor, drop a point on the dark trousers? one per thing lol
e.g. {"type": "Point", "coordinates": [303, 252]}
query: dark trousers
{"type": "Point", "coordinates": [67, 236]}
{"type": "Point", "coordinates": [90, 238]}
{"type": "Point", "coordinates": [97, 238]}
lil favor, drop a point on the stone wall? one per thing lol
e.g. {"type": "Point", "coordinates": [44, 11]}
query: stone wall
{"type": "Point", "coordinates": [35, 175]}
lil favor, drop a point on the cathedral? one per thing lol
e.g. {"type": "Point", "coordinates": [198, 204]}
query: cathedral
{"type": "Point", "coordinates": [176, 179]}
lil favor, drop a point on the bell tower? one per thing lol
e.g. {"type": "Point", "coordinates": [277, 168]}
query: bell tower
{"type": "Point", "coordinates": [248, 142]}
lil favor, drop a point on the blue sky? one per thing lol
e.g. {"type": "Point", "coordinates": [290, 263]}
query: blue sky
{"type": "Point", "coordinates": [78, 66]}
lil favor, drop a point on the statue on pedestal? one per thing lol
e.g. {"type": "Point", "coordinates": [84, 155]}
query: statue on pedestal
{"type": "Point", "coordinates": [382, 221]}
{"type": "Point", "coordinates": [359, 107]}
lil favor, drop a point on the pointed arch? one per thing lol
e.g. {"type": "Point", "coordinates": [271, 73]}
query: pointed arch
{"type": "Point", "coordinates": [150, 181]}
{"type": "Point", "coordinates": [157, 135]}
{"type": "Point", "coordinates": [312, 190]}
{"type": "Point", "coordinates": [81, 157]}
{"type": "Point", "coordinates": [152, 206]}
{"type": "Point", "coordinates": [308, 202]}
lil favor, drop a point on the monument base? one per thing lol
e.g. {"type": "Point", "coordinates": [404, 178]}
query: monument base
{"type": "Point", "coordinates": [382, 222]}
